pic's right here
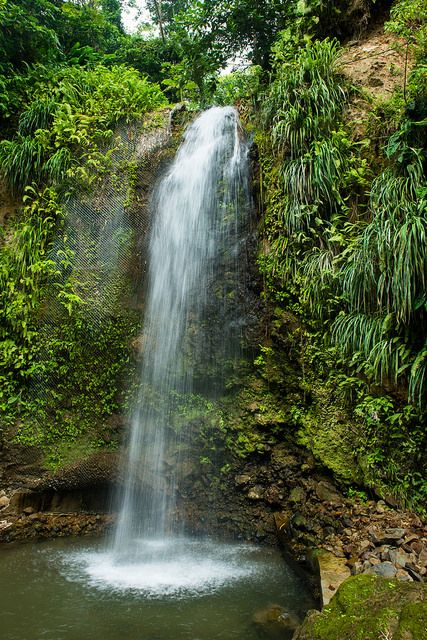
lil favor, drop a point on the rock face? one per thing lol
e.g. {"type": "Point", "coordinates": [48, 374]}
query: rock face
{"type": "Point", "coordinates": [370, 608]}
{"type": "Point", "coordinates": [333, 571]}
{"type": "Point", "coordinates": [52, 525]}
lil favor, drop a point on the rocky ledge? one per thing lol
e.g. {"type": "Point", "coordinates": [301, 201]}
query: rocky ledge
{"type": "Point", "coordinates": [31, 525]}
{"type": "Point", "coordinates": [288, 496]}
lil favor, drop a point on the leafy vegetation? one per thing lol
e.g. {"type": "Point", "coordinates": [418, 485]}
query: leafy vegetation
{"type": "Point", "coordinates": [345, 251]}
{"type": "Point", "coordinates": [344, 222]}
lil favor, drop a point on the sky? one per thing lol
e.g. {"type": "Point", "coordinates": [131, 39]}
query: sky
{"type": "Point", "coordinates": [129, 17]}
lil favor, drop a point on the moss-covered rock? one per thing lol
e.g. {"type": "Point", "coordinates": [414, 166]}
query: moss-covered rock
{"type": "Point", "coordinates": [328, 432]}
{"type": "Point", "coordinates": [369, 607]}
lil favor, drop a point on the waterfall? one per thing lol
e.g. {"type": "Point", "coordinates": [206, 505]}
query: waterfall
{"type": "Point", "coordinates": [192, 315]}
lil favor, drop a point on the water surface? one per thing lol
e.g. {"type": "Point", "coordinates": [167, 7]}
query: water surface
{"type": "Point", "coordinates": [187, 590]}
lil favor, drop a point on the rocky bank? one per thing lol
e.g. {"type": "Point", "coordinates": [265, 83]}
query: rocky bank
{"type": "Point", "coordinates": [282, 496]}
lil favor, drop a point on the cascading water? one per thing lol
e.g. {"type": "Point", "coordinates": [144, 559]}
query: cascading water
{"type": "Point", "coordinates": [192, 315]}
{"type": "Point", "coordinates": [155, 582]}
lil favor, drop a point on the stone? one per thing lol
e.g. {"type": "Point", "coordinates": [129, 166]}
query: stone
{"type": "Point", "coordinates": [364, 546]}
{"type": "Point", "coordinates": [256, 493]}
{"type": "Point", "coordinates": [388, 536]}
{"type": "Point", "coordinates": [274, 621]}
{"type": "Point", "coordinates": [4, 502]}
{"type": "Point", "coordinates": [402, 575]}
{"type": "Point", "coordinates": [300, 522]}
{"type": "Point", "coordinates": [370, 607]}
{"type": "Point", "coordinates": [242, 480]}
{"type": "Point", "coordinates": [374, 561]}
{"type": "Point", "coordinates": [273, 495]}
{"type": "Point", "coordinates": [384, 569]}
{"type": "Point", "coordinates": [395, 533]}
{"type": "Point", "coordinates": [381, 506]}
{"type": "Point", "coordinates": [28, 511]}
{"type": "Point", "coordinates": [333, 571]}
{"type": "Point", "coordinates": [398, 557]}
{"type": "Point", "coordinates": [422, 557]}
{"type": "Point", "coordinates": [414, 574]}
{"type": "Point", "coordinates": [327, 492]}
{"type": "Point", "coordinates": [297, 495]}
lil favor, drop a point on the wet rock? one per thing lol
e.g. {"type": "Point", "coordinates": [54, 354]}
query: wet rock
{"type": "Point", "coordinates": [297, 495]}
{"type": "Point", "coordinates": [273, 495]}
{"type": "Point", "coordinates": [187, 469]}
{"type": "Point", "coordinates": [327, 492]}
{"type": "Point", "coordinates": [298, 521]}
{"type": "Point", "coordinates": [4, 502]}
{"type": "Point", "coordinates": [370, 607]}
{"type": "Point", "coordinates": [383, 569]}
{"type": "Point", "coordinates": [274, 621]}
{"type": "Point", "coordinates": [176, 114]}
{"type": "Point", "coordinates": [333, 571]}
{"type": "Point", "coordinates": [256, 493]}
{"type": "Point", "coordinates": [242, 480]}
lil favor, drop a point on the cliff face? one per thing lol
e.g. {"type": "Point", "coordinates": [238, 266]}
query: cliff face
{"type": "Point", "coordinates": [282, 450]}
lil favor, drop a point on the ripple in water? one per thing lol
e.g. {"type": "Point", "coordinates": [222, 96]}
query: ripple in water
{"type": "Point", "coordinates": [156, 569]}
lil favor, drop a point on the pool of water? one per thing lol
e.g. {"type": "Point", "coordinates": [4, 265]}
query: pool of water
{"type": "Point", "coordinates": [171, 590]}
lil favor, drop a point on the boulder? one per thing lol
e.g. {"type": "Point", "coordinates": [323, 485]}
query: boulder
{"type": "Point", "coordinates": [327, 493]}
{"type": "Point", "coordinates": [333, 571]}
{"type": "Point", "coordinates": [275, 622]}
{"type": "Point", "coordinates": [369, 607]}
{"type": "Point", "coordinates": [384, 569]}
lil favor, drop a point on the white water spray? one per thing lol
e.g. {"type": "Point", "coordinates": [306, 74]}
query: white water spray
{"type": "Point", "coordinates": [192, 318]}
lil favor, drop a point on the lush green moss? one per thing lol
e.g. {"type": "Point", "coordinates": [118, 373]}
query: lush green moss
{"type": "Point", "coordinates": [369, 608]}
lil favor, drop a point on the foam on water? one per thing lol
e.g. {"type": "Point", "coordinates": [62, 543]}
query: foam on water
{"type": "Point", "coordinates": [176, 567]}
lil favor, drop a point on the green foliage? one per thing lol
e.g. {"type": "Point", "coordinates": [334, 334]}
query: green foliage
{"type": "Point", "coordinates": [408, 19]}
{"type": "Point", "coordinates": [390, 448]}
{"type": "Point", "coordinates": [344, 249]}
{"type": "Point", "coordinates": [383, 276]}
{"type": "Point", "coordinates": [178, 81]}
{"type": "Point", "coordinates": [75, 383]}
{"type": "Point", "coordinates": [241, 88]}
{"type": "Point", "coordinates": [21, 161]}
{"type": "Point", "coordinates": [306, 97]}
{"type": "Point", "coordinates": [24, 269]}
{"type": "Point", "coordinates": [314, 166]}
{"type": "Point", "coordinates": [70, 113]}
